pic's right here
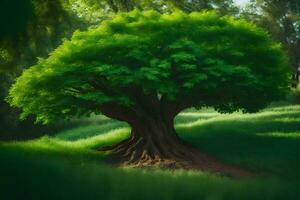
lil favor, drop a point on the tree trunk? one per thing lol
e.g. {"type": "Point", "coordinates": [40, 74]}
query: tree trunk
{"type": "Point", "coordinates": [295, 78]}
{"type": "Point", "coordinates": [151, 142]}
{"type": "Point", "coordinates": [155, 143]}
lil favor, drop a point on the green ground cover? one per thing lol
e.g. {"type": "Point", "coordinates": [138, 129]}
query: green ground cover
{"type": "Point", "coordinates": [66, 166]}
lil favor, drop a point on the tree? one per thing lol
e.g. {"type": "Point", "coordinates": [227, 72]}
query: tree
{"type": "Point", "coordinates": [145, 67]}
{"type": "Point", "coordinates": [281, 18]}
{"type": "Point", "coordinates": [162, 6]}
{"type": "Point", "coordinates": [29, 29]}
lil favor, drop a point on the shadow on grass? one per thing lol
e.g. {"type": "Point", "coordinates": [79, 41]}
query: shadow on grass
{"type": "Point", "coordinates": [265, 145]}
{"type": "Point", "coordinates": [24, 177]}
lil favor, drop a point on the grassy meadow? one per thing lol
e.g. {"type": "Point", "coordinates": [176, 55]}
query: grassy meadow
{"type": "Point", "coordinates": [65, 165]}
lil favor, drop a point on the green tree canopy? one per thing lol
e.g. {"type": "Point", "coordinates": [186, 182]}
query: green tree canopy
{"type": "Point", "coordinates": [196, 59]}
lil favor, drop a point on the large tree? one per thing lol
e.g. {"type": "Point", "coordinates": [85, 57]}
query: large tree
{"type": "Point", "coordinates": [145, 67]}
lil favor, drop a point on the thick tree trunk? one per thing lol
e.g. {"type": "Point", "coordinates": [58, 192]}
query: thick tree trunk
{"type": "Point", "coordinates": [151, 142]}
{"type": "Point", "coordinates": [155, 143]}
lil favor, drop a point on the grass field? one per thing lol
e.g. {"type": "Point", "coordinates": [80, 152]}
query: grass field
{"type": "Point", "coordinates": [65, 165]}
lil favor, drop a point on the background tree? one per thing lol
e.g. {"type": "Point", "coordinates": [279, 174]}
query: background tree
{"type": "Point", "coordinates": [281, 18]}
{"type": "Point", "coordinates": [29, 29]}
{"type": "Point", "coordinates": [144, 68]}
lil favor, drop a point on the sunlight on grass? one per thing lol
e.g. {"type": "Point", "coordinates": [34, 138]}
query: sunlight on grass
{"type": "Point", "coordinates": [89, 130]}
{"type": "Point", "coordinates": [55, 144]}
{"type": "Point", "coordinates": [274, 134]}
{"type": "Point", "coordinates": [293, 113]}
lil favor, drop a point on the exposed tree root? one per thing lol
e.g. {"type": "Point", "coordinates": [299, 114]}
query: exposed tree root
{"type": "Point", "coordinates": [144, 152]}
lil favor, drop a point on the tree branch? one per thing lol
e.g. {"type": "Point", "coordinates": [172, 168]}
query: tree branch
{"type": "Point", "coordinates": [170, 109]}
{"type": "Point", "coordinates": [113, 6]}
{"type": "Point", "coordinates": [118, 112]}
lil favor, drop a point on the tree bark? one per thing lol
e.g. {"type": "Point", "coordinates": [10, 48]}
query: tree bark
{"type": "Point", "coordinates": [151, 141]}
{"type": "Point", "coordinates": [154, 143]}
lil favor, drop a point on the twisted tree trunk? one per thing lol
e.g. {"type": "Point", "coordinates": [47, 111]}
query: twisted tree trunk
{"type": "Point", "coordinates": [151, 141]}
{"type": "Point", "coordinates": [154, 142]}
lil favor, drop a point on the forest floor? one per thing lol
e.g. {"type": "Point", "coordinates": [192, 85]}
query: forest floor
{"type": "Point", "coordinates": [66, 165]}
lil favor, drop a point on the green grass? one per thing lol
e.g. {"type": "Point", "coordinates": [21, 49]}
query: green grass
{"type": "Point", "coordinates": [65, 165]}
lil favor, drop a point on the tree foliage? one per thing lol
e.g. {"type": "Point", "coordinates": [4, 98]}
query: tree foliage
{"type": "Point", "coordinates": [183, 60]}
{"type": "Point", "coordinates": [162, 6]}
{"type": "Point", "coordinates": [29, 28]}
{"type": "Point", "coordinates": [281, 18]}
{"type": "Point", "coordinates": [33, 28]}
